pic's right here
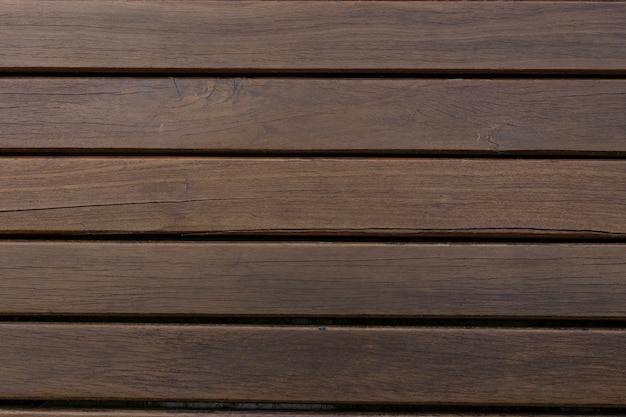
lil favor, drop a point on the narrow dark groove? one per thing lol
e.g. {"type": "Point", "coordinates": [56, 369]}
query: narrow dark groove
{"type": "Point", "coordinates": [316, 73]}
{"type": "Point", "coordinates": [312, 238]}
{"type": "Point", "coordinates": [44, 405]}
{"type": "Point", "coordinates": [501, 322]}
{"type": "Point", "coordinates": [309, 238]}
{"type": "Point", "coordinates": [360, 154]}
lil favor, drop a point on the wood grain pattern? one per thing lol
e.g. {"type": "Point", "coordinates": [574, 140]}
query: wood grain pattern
{"type": "Point", "coordinates": [116, 118]}
{"type": "Point", "coordinates": [312, 35]}
{"type": "Point", "coordinates": [428, 197]}
{"type": "Point", "coordinates": [77, 412]}
{"type": "Point", "coordinates": [309, 364]}
{"type": "Point", "coordinates": [363, 115]}
{"type": "Point", "coordinates": [60, 412]}
{"type": "Point", "coordinates": [309, 279]}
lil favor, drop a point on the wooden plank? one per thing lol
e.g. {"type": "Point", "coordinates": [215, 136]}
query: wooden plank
{"type": "Point", "coordinates": [309, 279]}
{"type": "Point", "coordinates": [297, 412]}
{"type": "Point", "coordinates": [310, 364]}
{"type": "Point", "coordinates": [211, 409]}
{"type": "Point", "coordinates": [312, 35]}
{"type": "Point", "coordinates": [424, 197]}
{"type": "Point", "coordinates": [362, 115]}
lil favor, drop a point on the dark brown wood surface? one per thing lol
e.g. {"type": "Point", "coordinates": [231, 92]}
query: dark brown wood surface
{"type": "Point", "coordinates": [296, 412]}
{"type": "Point", "coordinates": [311, 364]}
{"type": "Point", "coordinates": [429, 197]}
{"type": "Point", "coordinates": [69, 412]}
{"type": "Point", "coordinates": [312, 35]}
{"type": "Point", "coordinates": [403, 168]}
{"type": "Point", "coordinates": [371, 115]}
{"type": "Point", "coordinates": [309, 279]}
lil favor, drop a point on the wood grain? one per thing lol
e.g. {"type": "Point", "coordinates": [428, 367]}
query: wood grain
{"type": "Point", "coordinates": [312, 36]}
{"type": "Point", "coordinates": [426, 197]}
{"type": "Point", "coordinates": [309, 279]}
{"type": "Point", "coordinates": [297, 412]}
{"type": "Point", "coordinates": [310, 364]}
{"type": "Point", "coordinates": [322, 412]}
{"type": "Point", "coordinates": [363, 115]}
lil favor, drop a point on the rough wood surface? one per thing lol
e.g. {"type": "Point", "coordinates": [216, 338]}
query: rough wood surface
{"type": "Point", "coordinates": [312, 35]}
{"type": "Point", "coordinates": [310, 364]}
{"type": "Point", "coordinates": [132, 117]}
{"type": "Point", "coordinates": [295, 412]}
{"type": "Point", "coordinates": [363, 115]}
{"type": "Point", "coordinates": [69, 412]}
{"type": "Point", "coordinates": [428, 197]}
{"type": "Point", "coordinates": [309, 279]}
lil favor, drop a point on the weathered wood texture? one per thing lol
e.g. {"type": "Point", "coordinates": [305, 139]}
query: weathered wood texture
{"type": "Point", "coordinates": [300, 364]}
{"type": "Point", "coordinates": [312, 35]}
{"type": "Point", "coordinates": [187, 146]}
{"type": "Point", "coordinates": [371, 115]}
{"type": "Point", "coordinates": [294, 411]}
{"type": "Point", "coordinates": [351, 196]}
{"type": "Point", "coordinates": [308, 279]}
{"type": "Point", "coordinates": [60, 412]}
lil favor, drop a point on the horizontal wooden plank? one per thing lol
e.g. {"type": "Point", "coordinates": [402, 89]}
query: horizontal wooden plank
{"type": "Point", "coordinates": [72, 412]}
{"type": "Point", "coordinates": [363, 115]}
{"type": "Point", "coordinates": [60, 412]}
{"type": "Point", "coordinates": [295, 412]}
{"type": "Point", "coordinates": [312, 35]}
{"type": "Point", "coordinates": [309, 364]}
{"type": "Point", "coordinates": [426, 197]}
{"type": "Point", "coordinates": [308, 279]}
